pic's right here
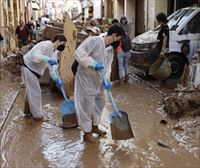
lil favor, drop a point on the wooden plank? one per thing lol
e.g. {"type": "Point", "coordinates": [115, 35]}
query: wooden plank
{"type": "Point", "coordinates": [114, 70]}
{"type": "Point", "coordinates": [67, 57]}
{"type": "Point", "coordinates": [51, 31]}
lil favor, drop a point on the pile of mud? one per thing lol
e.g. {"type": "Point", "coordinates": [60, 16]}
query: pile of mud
{"type": "Point", "coordinates": [7, 76]}
{"type": "Point", "coordinates": [184, 102]}
{"type": "Point", "coordinates": [12, 63]}
{"type": "Point", "coordinates": [10, 67]}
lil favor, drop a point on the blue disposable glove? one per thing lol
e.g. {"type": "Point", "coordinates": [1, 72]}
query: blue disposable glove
{"type": "Point", "coordinates": [59, 82]}
{"type": "Point", "coordinates": [98, 66]}
{"type": "Point", "coordinates": [107, 85]}
{"type": "Point", "coordinates": [52, 62]}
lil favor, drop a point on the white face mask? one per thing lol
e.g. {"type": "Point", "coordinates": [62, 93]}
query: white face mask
{"type": "Point", "coordinates": [124, 21]}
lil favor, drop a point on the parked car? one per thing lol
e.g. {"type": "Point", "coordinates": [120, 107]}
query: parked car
{"type": "Point", "coordinates": [184, 25]}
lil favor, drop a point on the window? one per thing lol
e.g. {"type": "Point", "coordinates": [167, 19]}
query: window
{"type": "Point", "coordinates": [178, 17]}
{"type": "Point", "coordinates": [194, 25]}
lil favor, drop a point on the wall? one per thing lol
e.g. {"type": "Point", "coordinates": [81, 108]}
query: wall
{"type": "Point", "coordinates": [161, 6]}
{"type": "Point", "coordinates": [108, 8]}
{"type": "Point", "coordinates": [96, 8]}
{"type": "Point", "coordinates": [129, 12]}
{"type": "Point", "coordinates": [118, 8]}
{"type": "Point", "coordinates": [153, 8]}
{"type": "Point", "coordinates": [127, 8]}
{"type": "Point", "coordinates": [140, 17]}
{"type": "Point", "coordinates": [150, 13]}
{"type": "Point", "coordinates": [1, 13]}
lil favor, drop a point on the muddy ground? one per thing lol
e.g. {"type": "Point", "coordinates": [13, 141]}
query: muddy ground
{"type": "Point", "coordinates": [26, 143]}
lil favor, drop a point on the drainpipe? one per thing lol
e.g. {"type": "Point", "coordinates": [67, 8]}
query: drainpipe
{"type": "Point", "coordinates": [101, 8]}
{"type": "Point", "coordinates": [175, 5]}
{"type": "Point", "coordinates": [147, 22]}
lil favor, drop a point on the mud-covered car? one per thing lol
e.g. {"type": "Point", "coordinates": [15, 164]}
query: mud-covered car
{"type": "Point", "coordinates": [184, 25]}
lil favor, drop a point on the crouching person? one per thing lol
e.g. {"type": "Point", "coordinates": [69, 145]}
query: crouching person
{"type": "Point", "coordinates": [35, 63]}
{"type": "Point", "coordinates": [89, 89]}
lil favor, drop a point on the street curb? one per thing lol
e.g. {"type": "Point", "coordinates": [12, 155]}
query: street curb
{"type": "Point", "coordinates": [148, 84]}
{"type": "Point", "coordinates": [8, 111]}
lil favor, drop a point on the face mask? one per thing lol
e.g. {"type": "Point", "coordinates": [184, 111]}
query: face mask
{"type": "Point", "coordinates": [115, 44]}
{"type": "Point", "coordinates": [124, 21]}
{"type": "Point", "coordinates": [61, 47]}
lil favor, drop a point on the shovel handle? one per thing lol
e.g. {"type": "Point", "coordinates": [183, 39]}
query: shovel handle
{"type": "Point", "coordinates": [62, 89]}
{"type": "Point", "coordinates": [112, 99]}
{"type": "Point", "coordinates": [64, 94]}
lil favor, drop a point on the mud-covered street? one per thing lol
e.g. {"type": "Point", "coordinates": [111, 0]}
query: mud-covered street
{"type": "Point", "coordinates": [144, 53]}
{"type": "Point", "coordinates": [27, 143]}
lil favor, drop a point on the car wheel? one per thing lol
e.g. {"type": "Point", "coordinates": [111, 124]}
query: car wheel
{"type": "Point", "coordinates": [177, 65]}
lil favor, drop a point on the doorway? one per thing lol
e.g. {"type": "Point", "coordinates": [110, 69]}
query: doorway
{"type": "Point", "coordinates": [140, 17]}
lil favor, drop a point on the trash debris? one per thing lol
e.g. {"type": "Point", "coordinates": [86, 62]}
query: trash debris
{"type": "Point", "coordinates": [163, 122]}
{"type": "Point", "coordinates": [160, 143]}
{"type": "Point", "coordinates": [184, 102]}
{"type": "Point", "coordinates": [178, 128]}
{"type": "Point", "coordinates": [50, 31]}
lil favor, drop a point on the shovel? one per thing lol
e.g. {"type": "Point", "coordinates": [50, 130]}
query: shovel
{"type": "Point", "coordinates": [120, 126]}
{"type": "Point", "coordinates": [67, 110]}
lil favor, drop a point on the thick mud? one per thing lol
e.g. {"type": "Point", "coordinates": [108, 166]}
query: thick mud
{"type": "Point", "coordinates": [27, 143]}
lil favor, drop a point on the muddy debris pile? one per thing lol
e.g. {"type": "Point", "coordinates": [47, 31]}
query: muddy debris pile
{"type": "Point", "coordinates": [12, 63]}
{"type": "Point", "coordinates": [92, 27]}
{"type": "Point", "coordinates": [183, 102]}
{"type": "Point", "coordinates": [7, 76]}
{"type": "Point", "coordinates": [10, 66]}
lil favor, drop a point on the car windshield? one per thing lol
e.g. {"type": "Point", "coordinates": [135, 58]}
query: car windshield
{"type": "Point", "coordinates": [178, 17]}
{"type": "Point", "coordinates": [175, 19]}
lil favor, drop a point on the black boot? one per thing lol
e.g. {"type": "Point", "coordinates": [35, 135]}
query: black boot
{"type": "Point", "coordinates": [90, 138]}
{"type": "Point", "coordinates": [96, 130]}
{"type": "Point", "coordinates": [126, 78]}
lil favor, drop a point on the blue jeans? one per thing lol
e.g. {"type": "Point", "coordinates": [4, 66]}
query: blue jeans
{"type": "Point", "coordinates": [123, 58]}
{"type": "Point", "coordinates": [22, 43]}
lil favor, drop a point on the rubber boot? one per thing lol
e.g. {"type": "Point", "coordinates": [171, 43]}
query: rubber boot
{"type": "Point", "coordinates": [126, 78]}
{"type": "Point", "coordinates": [40, 119]}
{"type": "Point", "coordinates": [96, 130]}
{"type": "Point", "coordinates": [27, 111]}
{"type": "Point", "coordinates": [89, 137]}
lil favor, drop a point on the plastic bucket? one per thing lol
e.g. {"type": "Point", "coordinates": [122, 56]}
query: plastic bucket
{"type": "Point", "coordinates": [160, 69]}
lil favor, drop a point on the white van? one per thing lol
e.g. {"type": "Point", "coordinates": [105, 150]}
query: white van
{"type": "Point", "coordinates": [184, 41]}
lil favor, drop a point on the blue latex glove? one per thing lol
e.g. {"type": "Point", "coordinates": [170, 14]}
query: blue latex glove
{"type": "Point", "coordinates": [99, 66]}
{"type": "Point", "coordinates": [107, 85]}
{"type": "Point", "coordinates": [52, 62]}
{"type": "Point", "coordinates": [59, 82]}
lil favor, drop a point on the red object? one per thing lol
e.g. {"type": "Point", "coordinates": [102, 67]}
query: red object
{"type": "Point", "coordinates": [22, 34]}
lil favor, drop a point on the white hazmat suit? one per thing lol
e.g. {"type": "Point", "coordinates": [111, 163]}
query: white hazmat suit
{"type": "Point", "coordinates": [89, 95]}
{"type": "Point", "coordinates": [33, 61]}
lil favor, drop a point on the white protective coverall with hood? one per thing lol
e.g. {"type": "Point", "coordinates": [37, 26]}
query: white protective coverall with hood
{"type": "Point", "coordinates": [34, 61]}
{"type": "Point", "coordinates": [89, 90]}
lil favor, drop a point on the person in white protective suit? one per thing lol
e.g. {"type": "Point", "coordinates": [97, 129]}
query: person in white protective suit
{"type": "Point", "coordinates": [88, 93]}
{"type": "Point", "coordinates": [36, 61]}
